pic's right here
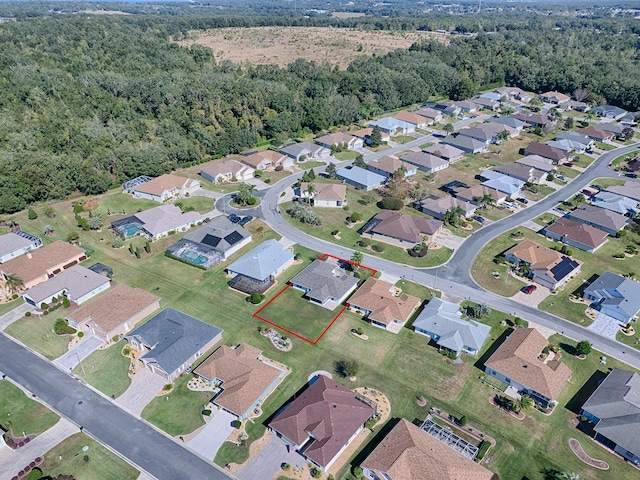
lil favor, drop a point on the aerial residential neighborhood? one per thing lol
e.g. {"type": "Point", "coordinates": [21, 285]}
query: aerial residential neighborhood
{"type": "Point", "coordinates": [439, 284]}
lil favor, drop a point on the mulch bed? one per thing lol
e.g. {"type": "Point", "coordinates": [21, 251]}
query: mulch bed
{"type": "Point", "coordinates": [576, 448]}
{"type": "Point", "coordinates": [519, 416]}
{"type": "Point", "coordinates": [16, 442]}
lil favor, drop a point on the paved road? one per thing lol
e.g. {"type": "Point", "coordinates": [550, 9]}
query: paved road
{"type": "Point", "coordinates": [455, 279]}
{"type": "Point", "coordinates": [133, 439]}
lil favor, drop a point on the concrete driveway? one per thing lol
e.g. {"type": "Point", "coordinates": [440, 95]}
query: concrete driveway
{"type": "Point", "coordinates": [73, 357]}
{"type": "Point", "coordinates": [532, 299]}
{"type": "Point", "coordinates": [266, 464]}
{"type": "Point", "coordinates": [212, 435]}
{"type": "Point", "coordinates": [605, 325]}
{"type": "Point", "coordinates": [14, 315]}
{"type": "Point", "coordinates": [447, 239]}
{"type": "Point", "coordinates": [144, 388]}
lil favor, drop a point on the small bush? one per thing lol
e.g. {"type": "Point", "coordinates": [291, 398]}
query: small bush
{"type": "Point", "coordinates": [619, 255]}
{"type": "Point", "coordinates": [115, 338]}
{"type": "Point", "coordinates": [377, 248]}
{"type": "Point", "coordinates": [117, 242]}
{"type": "Point", "coordinates": [66, 303]}
{"type": "Point", "coordinates": [345, 208]}
{"type": "Point", "coordinates": [364, 242]}
{"type": "Point", "coordinates": [206, 413]}
{"type": "Point", "coordinates": [255, 298]}
{"type": "Point", "coordinates": [286, 467]}
{"type": "Point", "coordinates": [61, 327]}
{"type": "Point", "coordinates": [315, 473]}
{"type": "Point", "coordinates": [463, 420]}
{"type": "Point", "coordinates": [371, 422]}
{"type": "Point", "coordinates": [355, 217]}
{"type": "Point", "coordinates": [360, 331]}
{"type": "Point", "coordinates": [357, 472]}
{"type": "Point", "coordinates": [391, 203]}
{"type": "Point", "coordinates": [80, 334]}
{"type": "Point", "coordinates": [167, 388]}
{"type": "Point", "coordinates": [14, 296]}
{"type": "Point", "coordinates": [236, 424]}
{"type": "Point", "coordinates": [266, 180]}
{"type": "Point", "coordinates": [335, 232]}
{"type": "Point", "coordinates": [32, 214]}
{"type": "Point", "coordinates": [44, 306]}
{"type": "Point", "coordinates": [28, 314]}
{"type": "Point", "coordinates": [254, 200]}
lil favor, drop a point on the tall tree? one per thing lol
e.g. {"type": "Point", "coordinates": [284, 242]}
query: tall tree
{"type": "Point", "coordinates": [14, 283]}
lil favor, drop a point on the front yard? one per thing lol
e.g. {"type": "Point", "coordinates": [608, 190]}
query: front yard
{"type": "Point", "coordinates": [37, 333]}
{"type": "Point", "coordinates": [21, 414]}
{"type": "Point", "coordinates": [107, 370]}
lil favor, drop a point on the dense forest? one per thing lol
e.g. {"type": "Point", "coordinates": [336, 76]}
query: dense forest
{"type": "Point", "coordinates": [86, 102]}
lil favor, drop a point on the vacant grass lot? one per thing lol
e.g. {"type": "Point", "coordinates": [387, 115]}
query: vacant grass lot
{"type": "Point", "coordinates": [37, 333]}
{"type": "Point", "coordinates": [106, 370]}
{"type": "Point", "coordinates": [97, 463]}
{"type": "Point", "coordinates": [21, 414]}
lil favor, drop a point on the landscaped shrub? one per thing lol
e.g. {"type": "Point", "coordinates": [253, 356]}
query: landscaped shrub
{"type": "Point", "coordinates": [115, 338]}
{"type": "Point", "coordinates": [236, 424]}
{"type": "Point", "coordinates": [484, 448]}
{"type": "Point", "coordinates": [117, 242]}
{"type": "Point", "coordinates": [61, 327]}
{"type": "Point", "coordinates": [364, 242]}
{"type": "Point", "coordinates": [80, 334]}
{"type": "Point", "coordinates": [377, 248]}
{"type": "Point", "coordinates": [391, 203]}
{"type": "Point", "coordinates": [371, 422]}
{"type": "Point", "coordinates": [254, 200]}
{"type": "Point", "coordinates": [168, 387]}
{"type": "Point", "coordinates": [355, 217]}
{"type": "Point", "coordinates": [335, 232]}
{"type": "Point", "coordinates": [357, 472]}
{"type": "Point", "coordinates": [44, 306]}
{"type": "Point", "coordinates": [66, 303]}
{"type": "Point", "coordinates": [206, 413]}
{"type": "Point", "coordinates": [28, 314]}
{"type": "Point", "coordinates": [286, 467]}
{"type": "Point", "coordinates": [255, 298]}
{"type": "Point", "coordinates": [14, 296]}
{"type": "Point", "coordinates": [32, 214]}
{"type": "Point", "coordinates": [266, 180]}
{"type": "Point", "coordinates": [463, 420]}
{"type": "Point", "coordinates": [316, 473]}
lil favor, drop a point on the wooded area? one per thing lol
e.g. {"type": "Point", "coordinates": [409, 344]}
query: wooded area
{"type": "Point", "coordinates": [89, 101]}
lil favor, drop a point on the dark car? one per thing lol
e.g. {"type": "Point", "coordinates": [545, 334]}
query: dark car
{"type": "Point", "coordinates": [523, 200]}
{"type": "Point", "coordinates": [233, 218]}
{"type": "Point", "coordinates": [245, 220]}
{"type": "Point", "coordinates": [529, 289]}
{"type": "Point", "coordinates": [631, 175]}
{"type": "Point", "coordinates": [588, 193]}
{"type": "Point", "coordinates": [479, 219]}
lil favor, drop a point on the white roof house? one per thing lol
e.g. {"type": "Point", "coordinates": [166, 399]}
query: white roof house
{"type": "Point", "coordinates": [616, 203]}
{"type": "Point", "coordinates": [79, 284]}
{"type": "Point", "coordinates": [13, 245]}
{"type": "Point", "coordinates": [268, 259]}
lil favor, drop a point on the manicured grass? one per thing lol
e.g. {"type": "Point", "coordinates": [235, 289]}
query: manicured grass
{"type": "Point", "coordinates": [107, 370]}
{"type": "Point", "coordinates": [97, 463]}
{"type": "Point", "coordinates": [7, 307]}
{"type": "Point", "coordinates": [582, 161]}
{"type": "Point", "coordinates": [274, 177]}
{"type": "Point", "coordinates": [633, 340]}
{"type": "Point", "coordinates": [311, 164]}
{"type": "Point", "coordinates": [37, 333]}
{"type": "Point", "coordinates": [402, 139]}
{"type": "Point", "coordinates": [426, 145]}
{"type": "Point", "coordinates": [608, 182]}
{"type": "Point", "coordinates": [346, 155]}
{"type": "Point", "coordinates": [292, 312]}
{"type": "Point", "coordinates": [179, 412]}
{"type": "Point", "coordinates": [620, 159]}
{"type": "Point", "coordinates": [605, 146]}
{"type": "Point", "coordinates": [199, 204]}
{"type": "Point", "coordinates": [21, 414]}
{"type": "Point", "coordinates": [411, 288]}
{"type": "Point", "coordinates": [567, 172]}
{"type": "Point", "coordinates": [545, 219]}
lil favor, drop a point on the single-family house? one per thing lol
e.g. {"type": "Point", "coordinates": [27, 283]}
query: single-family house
{"type": "Point", "coordinates": [629, 189]}
{"type": "Point", "coordinates": [487, 104]}
{"type": "Point", "coordinates": [607, 220]}
{"type": "Point", "coordinates": [547, 267]}
{"type": "Point", "coordinates": [612, 127]}
{"type": "Point", "coordinates": [226, 171]}
{"type": "Point", "coordinates": [442, 322]}
{"type": "Point", "coordinates": [629, 120]}
{"type": "Point", "coordinates": [498, 128]}
{"type": "Point", "coordinates": [522, 172]}
{"type": "Point", "coordinates": [308, 151]}
{"type": "Point", "coordinates": [325, 283]}
{"type": "Point", "coordinates": [17, 243]}
{"type": "Point", "coordinates": [78, 284]}
{"type": "Point", "coordinates": [157, 222]}
{"type": "Point", "coordinates": [220, 235]}
{"type": "Point", "coordinates": [554, 97]}
{"type": "Point", "coordinates": [616, 203]}
{"type": "Point", "coordinates": [576, 234]}
{"type": "Point", "coordinates": [568, 145]}
{"type": "Point", "coordinates": [515, 93]}
{"type": "Point", "coordinates": [322, 421]}
{"type": "Point", "coordinates": [534, 120]}
{"type": "Point", "coordinates": [538, 162]}
{"type": "Point", "coordinates": [615, 296]}
{"type": "Point", "coordinates": [393, 126]}
{"type": "Point", "coordinates": [384, 304]}
{"type": "Point", "coordinates": [495, 96]}
{"type": "Point", "coordinates": [360, 178]}
{"type": "Point", "coordinates": [431, 113]}
{"type": "Point", "coordinates": [387, 166]}
{"type": "Point", "coordinates": [466, 106]}
{"type": "Point", "coordinates": [512, 187]}
{"type": "Point", "coordinates": [447, 108]}
{"type": "Point", "coordinates": [614, 409]}
{"type": "Point", "coordinates": [414, 118]}
{"type": "Point", "coordinates": [609, 111]}
{"type": "Point", "coordinates": [480, 134]}
{"type": "Point", "coordinates": [365, 135]}
{"type": "Point", "coordinates": [129, 185]}
{"type": "Point", "coordinates": [266, 160]}
{"type": "Point", "coordinates": [517, 363]}
{"type": "Point", "coordinates": [596, 134]}
{"type": "Point", "coordinates": [324, 194]}
{"type": "Point", "coordinates": [546, 151]}
{"type": "Point", "coordinates": [339, 139]}
{"type": "Point", "coordinates": [510, 122]}
{"type": "Point", "coordinates": [466, 144]}
{"type": "Point", "coordinates": [243, 378]}
{"type": "Point", "coordinates": [577, 106]}
{"type": "Point", "coordinates": [171, 341]}
{"type": "Point", "coordinates": [39, 265]}
{"type": "Point", "coordinates": [578, 138]}
{"type": "Point", "coordinates": [408, 452]}
{"type": "Point", "coordinates": [400, 229]}
{"type": "Point", "coordinates": [474, 193]}
{"type": "Point", "coordinates": [115, 313]}
{"type": "Point", "coordinates": [165, 187]}
{"type": "Point", "coordinates": [439, 206]}
{"type": "Point", "coordinates": [256, 271]}
{"type": "Point", "coordinates": [450, 153]}
{"type": "Point", "coordinates": [425, 161]}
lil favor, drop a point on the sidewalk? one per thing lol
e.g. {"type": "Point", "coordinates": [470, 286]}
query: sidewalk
{"type": "Point", "coordinates": [11, 461]}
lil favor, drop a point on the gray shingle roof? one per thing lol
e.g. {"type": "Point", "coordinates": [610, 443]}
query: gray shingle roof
{"type": "Point", "coordinates": [12, 242]}
{"type": "Point", "coordinates": [600, 217]}
{"type": "Point", "coordinates": [77, 281]}
{"type": "Point", "coordinates": [325, 280]}
{"type": "Point", "coordinates": [616, 402]}
{"type": "Point", "coordinates": [615, 290]}
{"type": "Point", "coordinates": [263, 261]}
{"type": "Point", "coordinates": [174, 337]}
{"type": "Point", "coordinates": [219, 234]}
{"type": "Point", "coordinates": [443, 319]}
{"type": "Point", "coordinates": [361, 176]}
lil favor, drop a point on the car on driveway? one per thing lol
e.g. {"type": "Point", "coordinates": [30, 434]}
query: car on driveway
{"type": "Point", "coordinates": [245, 220]}
{"type": "Point", "coordinates": [631, 175]}
{"type": "Point", "coordinates": [233, 218]}
{"type": "Point", "coordinates": [588, 193]}
{"type": "Point", "coordinates": [523, 200]}
{"type": "Point", "coordinates": [479, 219]}
{"type": "Point", "coordinates": [529, 289]}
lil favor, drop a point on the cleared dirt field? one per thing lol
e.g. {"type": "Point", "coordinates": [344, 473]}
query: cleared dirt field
{"type": "Point", "coordinates": [283, 45]}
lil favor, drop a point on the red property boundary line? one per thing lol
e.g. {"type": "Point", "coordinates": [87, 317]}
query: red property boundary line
{"type": "Point", "coordinates": [288, 285]}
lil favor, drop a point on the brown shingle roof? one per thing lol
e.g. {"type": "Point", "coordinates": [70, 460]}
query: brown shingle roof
{"type": "Point", "coordinates": [39, 262]}
{"type": "Point", "coordinates": [326, 191]}
{"type": "Point", "coordinates": [223, 167]}
{"type": "Point", "coordinates": [244, 377]}
{"type": "Point", "coordinates": [390, 164]}
{"type": "Point", "coordinates": [160, 184]}
{"type": "Point", "coordinates": [537, 255]}
{"type": "Point", "coordinates": [377, 297]}
{"type": "Point", "coordinates": [330, 412]}
{"type": "Point", "coordinates": [595, 133]}
{"type": "Point", "coordinates": [411, 117]}
{"type": "Point", "coordinates": [579, 232]}
{"type": "Point", "coordinates": [405, 227]}
{"type": "Point", "coordinates": [408, 453]}
{"type": "Point", "coordinates": [544, 150]}
{"type": "Point", "coordinates": [336, 138]}
{"type": "Point", "coordinates": [257, 158]}
{"type": "Point", "coordinates": [517, 359]}
{"type": "Point", "coordinates": [115, 307]}
{"type": "Point", "coordinates": [477, 191]}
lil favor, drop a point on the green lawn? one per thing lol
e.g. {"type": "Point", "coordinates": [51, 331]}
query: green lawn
{"type": "Point", "coordinates": [199, 204]}
{"type": "Point", "coordinates": [112, 380]}
{"type": "Point", "coordinates": [97, 463]}
{"type": "Point", "coordinates": [37, 333]}
{"type": "Point", "coordinates": [605, 146]}
{"type": "Point", "coordinates": [311, 164]}
{"type": "Point", "coordinates": [545, 219]}
{"type": "Point", "coordinates": [273, 176]}
{"type": "Point", "coordinates": [21, 414]}
{"type": "Point", "coordinates": [426, 145]}
{"type": "Point", "coordinates": [411, 288]}
{"type": "Point", "coordinates": [179, 412]}
{"type": "Point", "coordinates": [582, 161]}
{"type": "Point", "coordinates": [7, 307]}
{"type": "Point", "coordinates": [609, 182]}
{"type": "Point", "coordinates": [346, 155]}
{"type": "Point", "coordinates": [403, 139]}
{"type": "Point", "coordinates": [299, 315]}
{"type": "Point", "coordinates": [567, 172]}
{"type": "Point", "coordinates": [631, 341]}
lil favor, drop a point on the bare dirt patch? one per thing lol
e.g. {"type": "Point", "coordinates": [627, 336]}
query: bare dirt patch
{"type": "Point", "coordinates": [283, 45]}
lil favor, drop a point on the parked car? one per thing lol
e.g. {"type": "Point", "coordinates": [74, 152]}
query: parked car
{"type": "Point", "coordinates": [233, 218]}
{"type": "Point", "coordinates": [589, 151]}
{"type": "Point", "coordinates": [245, 220]}
{"type": "Point", "coordinates": [479, 219]}
{"type": "Point", "coordinates": [529, 289]}
{"type": "Point", "coordinates": [588, 193]}
{"type": "Point", "coordinates": [597, 187]}
{"type": "Point", "coordinates": [561, 178]}
{"type": "Point", "coordinates": [631, 175]}
{"type": "Point", "coordinates": [523, 200]}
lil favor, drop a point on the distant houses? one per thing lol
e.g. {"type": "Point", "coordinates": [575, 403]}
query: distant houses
{"type": "Point", "coordinates": [388, 166]}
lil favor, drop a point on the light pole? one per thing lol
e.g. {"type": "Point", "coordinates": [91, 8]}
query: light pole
{"type": "Point", "coordinates": [80, 363]}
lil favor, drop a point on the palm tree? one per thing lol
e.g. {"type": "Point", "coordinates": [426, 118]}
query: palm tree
{"type": "Point", "coordinates": [245, 192]}
{"type": "Point", "coordinates": [484, 200]}
{"type": "Point", "coordinates": [311, 189]}
{"type": "Point", "coordinates": [448, 128]}
{"type": "Point", "coordinates": [526, 402]}
{"type": "Point", "coordinates": [453, 216]}
{"type": "Point", "coordinates": [356, 259]}
{"type": "Point", "coordinates": [14, 283]}
{"type": "Point", "coordinates": [503, 135]}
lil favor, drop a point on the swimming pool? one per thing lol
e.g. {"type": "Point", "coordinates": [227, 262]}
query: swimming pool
{"type": "Point", "coordinates": [131, 230]}
{"type": "Point", "coordinates": [193, 257]}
